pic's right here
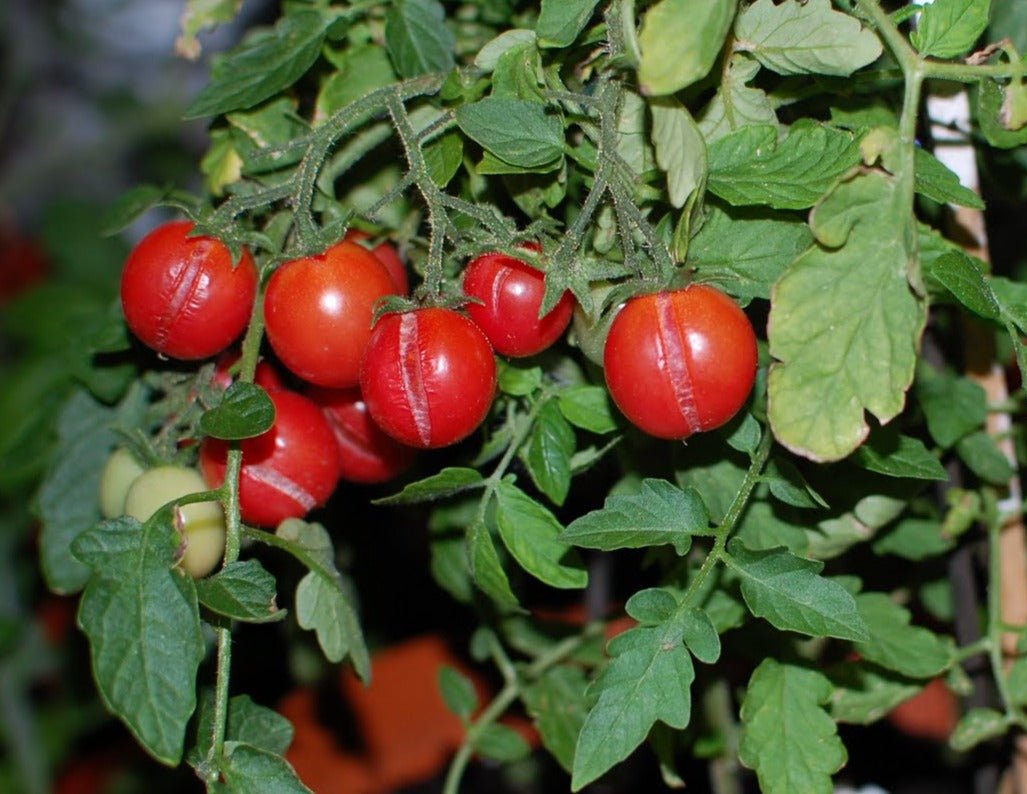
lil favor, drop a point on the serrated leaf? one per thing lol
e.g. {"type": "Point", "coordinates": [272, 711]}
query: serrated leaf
{"type": "Point", "coordinates": [700, 635]}
{"type": "Point", "coordinates": [588, 407]}
{"type": "Point", "coordinates": [660, 513]}
{"type": "Point", "coordinates": [322, 606]}
{"type": "Point", "coordinates": [964, 279]}
{"type": "Point", "coordinates": [248, 722]}
{"type": "Point", "coordinates": [561, 21]}
{"type": "Point", "coordinates": [548, 452]}
{"type": "Point", "coordinates": [141, 616]}
{"type": "Point", "coordinates": [501, 743]}
{"type": "Point", "coordinates": [787, 736]}
{"type": "Point", "coordinates": [976, 726]}
{"type": "Point", "coordinates": [245, 411]}
{"type": "Point", "coordinates": [743, 433]}
{"type": "Point", "coordinates": [896, 645]}
{"type": "Point", "coordinates": [736, 104]}
{"type": "Point", "coordinates": [265, 63]}
{"type": "Point", "coordinates": [443, 158]}
{"type": "Point", "coordinates": [750, 166]}
{"type": "Point", "coordinates": [246, 769]}
{"type": "Point", "coordinates": [680, 149]}
{"type": "Point", "coordinates": [680, 40]}
{"type": "Point", "coordinates": [844, 325]}
{"type": "Point", "coordinates": [556, 703]}
{"type": "Point", "coordinates": [531, 533]}
{"type": "Point", "coordinates": [486, 569]}
{"type": "Point", "coordinates": [417, 38]}
{"type": "Point", "coordinates": [981, 453]}
{"type": "Point", "coordinates": [807, 37]}
{"type": "Point", "coordinates": [886, 452]}
{"type": "Point", "coordinates": [517, 132]}
{"type": "Point", "coordinates": [914, 539]}
{"type": "Point", "coordinates": [450, 481]}
{"type": "Point", "coordinates": [949, 28]}
{"type": "Point", "coordinates": [865, 693]}
{"type": "Point", "coordinates": [745, 251]}
{"type": "Point", "coordinates": [935, 180]}
{"type": "Point", "coordinates": [953, 407]}
{"type": "Point", "coordinates": [243, 590]}
{"type": "Point", "coordinates": [788, 592]}
{"type": "Point", "coordinates": [648, 679]}
{"type": "Point", "coordinates": [457, 691]}
{"type": "Point", "coordinates": [359, 70]}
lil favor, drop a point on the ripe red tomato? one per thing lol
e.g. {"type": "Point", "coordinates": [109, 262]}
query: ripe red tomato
{"type": "Point", "coordinates": [511, 293]}
{"type": "Point", "coordinates": [287, 471]}
{"type": "Point", "coordinates": [428, 377]}
{"type": "Point", "coordinates": [318, 312]}
{"type": "Point", "coordinates": [182, 296]}
{"type": "Point", "coordinates": [388, 256]}
{"type": "Point", "coordinates": [366, 453]}
{"type": "Point", "coordinates": [680, 362]}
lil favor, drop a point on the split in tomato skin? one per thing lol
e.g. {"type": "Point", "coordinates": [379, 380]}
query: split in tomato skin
{"type": "Point", "coordinates": [367, 454]}
{"type": "Point", "coordinates": [680, 362]}
{"type": "Point", "coordinates": [386, 254]}
{"type": "Point", "coordinates": [428, 377]}
{"type": "Point", "coordinates": [287, 471]}
{"type": "Point", "coordinates": [318, 312]}
{"type": "Point", "coordinates": [182, 296]}
{"type": "Point", "coordinates": [511, 294]}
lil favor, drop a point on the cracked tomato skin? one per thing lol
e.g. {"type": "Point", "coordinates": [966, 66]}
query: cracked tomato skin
{"type": "Point", "coordinates": [511, 295]}
{"type": "Point", "coordinates": [287, 471]}
{"type": "Point", "coordinates": [182, 296]}
{"type": "Point", "coordinates": [318, 312]}
{"type": "Point", "coordinates": [680, 362]}
{"type": "Point", "coordinates": [367, 454]}
{"type": "Point", "coordinates": [428, 377]}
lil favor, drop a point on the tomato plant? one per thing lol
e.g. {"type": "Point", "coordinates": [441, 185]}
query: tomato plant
{"type": "Point", "coordinates": [428, 377]}
{"type": "Point", "coordinates": [318, 312]}
{"type": "Point", "coordinates": [183, 296]}
{"type": "Point", "coordinates": [510, 294]}
{"type": "Point", "coordinates": [680, 362]}
{"type": "Point", "coordinates": [286, 471]}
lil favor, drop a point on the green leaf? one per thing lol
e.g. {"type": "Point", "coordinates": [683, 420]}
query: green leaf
{"type": "Point", "coordinates": [265, 63]}
{"type": "Point", "coordinates": [981, 453]}
{"type": "Point", "coordinates": [914, 539]}
{"type": "Point", "coordinates": [764, 527]}
{"type": "Point", "coordinates": [201, 15]}
{"type": "Point", "coordinates": [896, 645]}
{"type": "Point", "coordinates": [448, 548]}
{"type": "Point", "coordinates": [744, 251]}
{"type": "Point", "coordinates": [450, 481]}
{"type": "Point", "coordinates": [588, 407]}
{"type": "Point", "coordinates": [561, 21]}
{"type": "Point", "coordinates": [805, 38]}
{"type": "Point", "coordinates": [486, 569]}
{"type": "Point", "coordinates": [246, 769]}
{"type": "Point", "coordinates": [68, 498]}
{"type": "Point", "coordinates": [501, 743]}
{"type": "Point", "coordinates": [865, 693]}
{"type": "Point", "coordinates": [248, 722]}
{"type": "Point", "coordinates": [531, 533]}
{"type": "Point", "coordinates": [652, 606]}
{"type": "Point", "coordinates": [245, 411]}
{"type": "Point", "coordinates": [359, 70]}
{"type": "Point", "coordinates": [993, 116]}
{"type": "Point", "coordinates": [243, 590]}
{"type": "Point", "coordinates": [548, 453]}
{"type": "Point", "coordinates": [787, 736]}
{"type": "Point", "coordinates": [976, 726]}
{"type": "Point", "coordinates": [750, 166]}
{"type": "Point", "coordinates": [417, 38]}
{"type": "Point", "coordinates": [680, 41]}
{"type": "Point", "coordinates": [788, 592]}
{"type": "Point", "coordinates": [844, 324]}
{"type": "Point", "coordinates": [953, 406]}
{"type": "Point", "coordinates": [886, 452]}
{"type": "Point", "coordinates": [743, 433]}
{"type": "Point", "coordinates": [130, 206]}
{"type": "Point", "coordinates": [556, 703]}
{"type": "Point", "coordinates": [658, 514]}
{"type": "Point", "coordinates": [648, 679]}
{"type": "Point", "coordinates": [141, 616]}
{"type": "Point", "coordinates": [701, 636]}
{"type": "Point", "coordinates": [736, 104]}
{"type": "Point", "coordinates": [443, 158]}
{"type": "Point", "coordinates": [680, 149]}
{"type": "Point", "coordinates": [935, 180]}
{"type": "Point", "coordinates": [964, 279]}
{"type": "Point", "coordinates": [519, 380]}
{"type": "Point", "coordinates": [789, 486]}
{"type": "Point", "coordinates": [1012, 298]}
{"type": "Point", "coordinates": [949, 28]}
{"type": "Point", "coordinates": [489, 55]}
{"type": "Point", "coordinates": [517, 132]}
{"type": "Point", "coordinates": [458, 692]}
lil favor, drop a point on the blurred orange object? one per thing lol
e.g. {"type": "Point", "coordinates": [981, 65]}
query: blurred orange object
{"type": "Point", "coordinates": [930, 714]}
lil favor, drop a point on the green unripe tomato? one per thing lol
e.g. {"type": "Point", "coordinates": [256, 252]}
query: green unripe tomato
{"type": "Point", "coordinates": [202, 524]}
{"type": "Point", "coordinates": [117, 477]}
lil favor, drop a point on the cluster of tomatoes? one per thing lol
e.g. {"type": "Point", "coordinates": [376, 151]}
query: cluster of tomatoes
{"type": "Point", "coordinates": [676, 362]}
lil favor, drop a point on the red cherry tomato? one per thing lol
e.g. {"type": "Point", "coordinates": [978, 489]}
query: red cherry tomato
{"type": "Point", "coordinates": [680, 362]}
{"type": "Point", "coordinates": [428, 377]}
{"type": "Point", "coordinates": [511, 294]}
{"type": "Point", "coordinates": [22, 263]}
{"type": "Point", "coordinates": [287, 471]}
{"type": "Point", "coordinates": [388, 256]}
{"type": "Point", "coordinates": [366, 453]}
{"type": "Point", "coordinates": [182, 296]}
{"type": "Point", "coordinates": [318, 312]}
